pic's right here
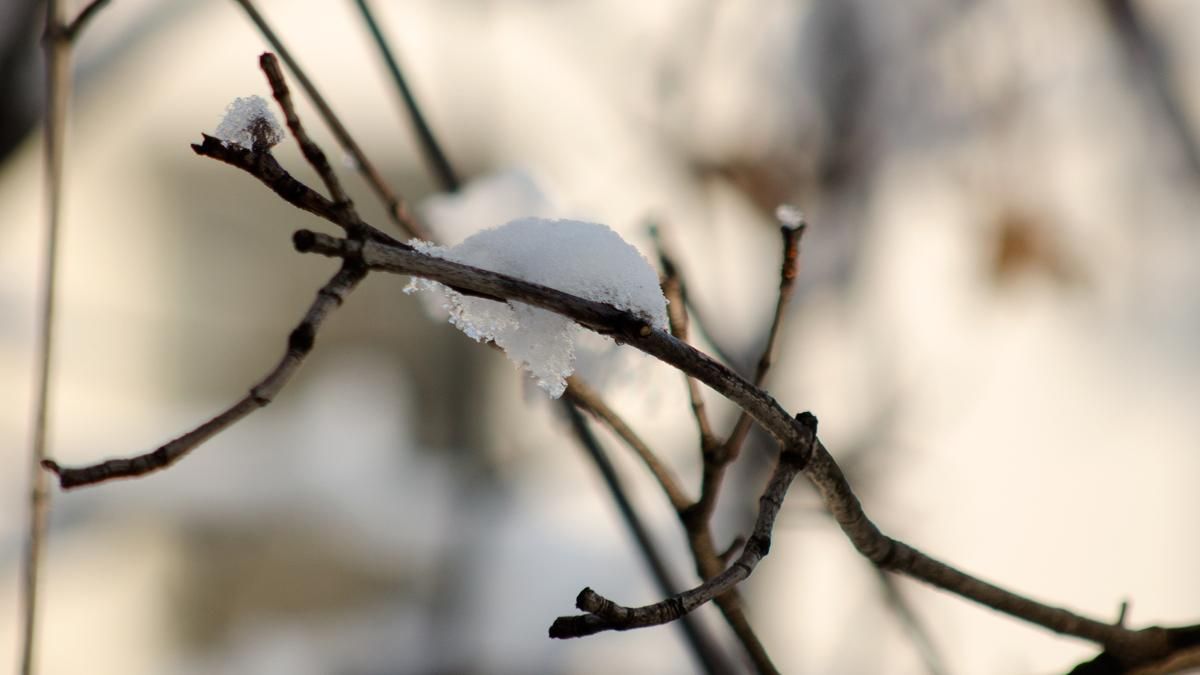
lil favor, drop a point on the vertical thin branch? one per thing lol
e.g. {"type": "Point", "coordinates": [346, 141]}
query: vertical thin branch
{"type": "Point", "coordinates": [396, 208]}
{"type": "Point", "coordinates": [675, 291]}
{"type": "Point", "coordinates": [791, 232]}
{"type": "Point", "coordinates": [58, 85]}
{"type": "Point", "coordinates": [430, 148]}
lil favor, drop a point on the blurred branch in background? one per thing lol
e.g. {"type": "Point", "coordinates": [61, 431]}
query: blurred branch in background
{"type": "Point", "coordinates": [1152, 68]}
{"type": "Point", "coordinates": [58, 40]}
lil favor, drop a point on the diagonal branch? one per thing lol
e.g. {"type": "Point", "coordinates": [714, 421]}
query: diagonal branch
{"type": "Point", "coordinates": [791, 232]}
{"type": "Point", "coordinates": [300, 343]}
{"type": "Point", "coordinates": [908, 618]}
{"type": "Point", "coordinates": [586, 398]}
{"type": "Point", "coordinates": [264, 167]}
{"type": "Point", "coordinates": [446, 176]}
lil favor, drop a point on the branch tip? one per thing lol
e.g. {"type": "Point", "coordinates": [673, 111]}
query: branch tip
{"type": "Point", "coordinates": [304, 240]}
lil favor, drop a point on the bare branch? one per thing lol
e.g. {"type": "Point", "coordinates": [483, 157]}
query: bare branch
{"type": "Point", "coordinates": [675, 291]}
{"type": "Point", "coordinates": [300, 343]}
{"type": "Point", "coordinates": [700, 541]}
{"type": "Point", "coordinates": [264, 167]}
{"type": "Point", "coordinates": [396, 208]}
{"type": "Point", "coordinates": [603, 614]}
{"type": "Point", "coordinates": [787, 282]}
{"type": "Point", "coordinates": [703, 646]}
{"type": "Point", "coordinates": [314, 155]}
{"type": "Point", "coordinates": [446, 176]}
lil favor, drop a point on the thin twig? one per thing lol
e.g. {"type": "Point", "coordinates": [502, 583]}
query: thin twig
{"type": "Point", "coordinates": [696, 316]}
{"type": "Point", "coordinates": [58, 88]}
{"type": "Point", "coordinates": [717, 459]}
{"type": "Point", "coordinates": [264, 167]}
{"type": "Point", "coordinates": [908, 618]}
{"type": "Point", "coordinates": [72, 30]}
{"type": "Point", "coordinates": [675, 291]}
{"type": "Point", "coordinates": [312, 153]}
{"type": "Point", "coordinates": [586, 398]}
{"type": "Point", "coordinates": [395, 206]}
{"type": "Point", "coordinates": [299, 344]}
{"type": "Point", "coordinates": [603, 614]}
{"type": "Point", "coordinates": [446, 176]}
{"type": "Point", "coordinates": [702, 645]}
{"type": "Point", "coordinates": [787, 282]}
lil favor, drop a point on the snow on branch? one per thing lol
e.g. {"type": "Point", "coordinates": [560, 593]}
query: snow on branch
{"type": "Point", "coordinates": [249, 122]}
{"type": "Point", "coordinates": [584, 259]}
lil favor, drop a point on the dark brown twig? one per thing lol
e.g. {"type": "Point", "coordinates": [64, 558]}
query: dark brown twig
{"type": "Point", "coordinates": [396, 208]}
{"type": "Point", "coordinates": [312, 153]}
{"type": "Point", "coordinates": [442, 170]}
{"type": "Point", "coordinates": [299, 344]}
{"type": "Point", "coordinates": [717, 458]}
{"type": "Point", "coordinates": [603, 614]}
{"type": "Point", "coordinates": [264, 167]}
{"type": "Point", "coordinates": [700, 541]}
{"type": "Point", "coordinates": [675, 291]}
{"type": "Point", "coordinates": [703, 646]}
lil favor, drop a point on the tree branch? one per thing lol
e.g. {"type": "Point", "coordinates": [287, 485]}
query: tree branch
{"type": "Point", "coordinates": [603, 614]}
{"type": "Point", "coordinates": [787, 282]}
{"type": "Point", "coordinates": [818, 466]}
{"type": "Point", "coordinates": [299, 344]}
{"type": "Point", "coordinates": [704, 648]}
{"type": "Point", "coordinates": [446, 176]}
{"type": "Point", "coordinates": [675, 291]}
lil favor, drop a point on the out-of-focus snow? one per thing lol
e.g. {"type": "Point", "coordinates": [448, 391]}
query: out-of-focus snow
{"type": "Point", "coordinates": [585, 259]}
{"type": "Point", "coordinates": [249, 119]}
{"type": "Point", "coordinates": [789, 215]}
{"type": "Point", "coordinates": [494, 198]}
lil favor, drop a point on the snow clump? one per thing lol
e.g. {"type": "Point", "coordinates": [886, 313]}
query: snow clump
{"type": "Point", "coordinates": [584, 259]}
{"type": "Point", "coordinates": [249, 122]}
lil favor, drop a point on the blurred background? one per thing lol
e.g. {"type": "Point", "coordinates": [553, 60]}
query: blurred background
{"type": "Point", "coordinates": [997, 322]}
